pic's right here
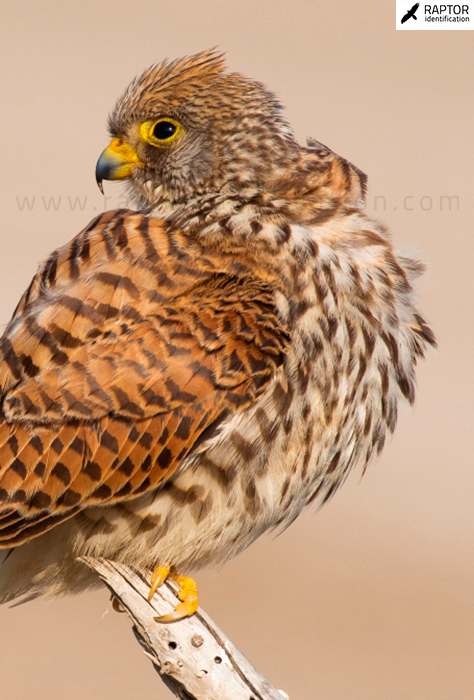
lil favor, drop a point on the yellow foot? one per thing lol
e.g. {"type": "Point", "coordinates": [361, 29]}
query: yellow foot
{"type": "Point", "coordinates": [187, 593]}
{"type": "Point", "coordinates": [158, 578]}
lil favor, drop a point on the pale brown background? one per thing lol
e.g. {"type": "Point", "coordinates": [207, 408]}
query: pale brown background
{"type": "Point", "coordinates": [371, 598]}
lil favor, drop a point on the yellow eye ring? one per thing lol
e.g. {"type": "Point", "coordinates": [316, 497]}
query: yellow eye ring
{"type": "Point", "coordinates": [160, 132]}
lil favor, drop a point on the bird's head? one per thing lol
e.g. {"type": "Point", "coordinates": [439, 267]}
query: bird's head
{"type": "Point", "coordinates": [187, 129]}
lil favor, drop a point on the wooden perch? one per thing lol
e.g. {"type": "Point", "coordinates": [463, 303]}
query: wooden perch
{"type": "Point", "coordinates": [193, 656]}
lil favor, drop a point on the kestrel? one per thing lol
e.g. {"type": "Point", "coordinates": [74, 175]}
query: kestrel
{"type": "Point", "coordinates": [181, 377]}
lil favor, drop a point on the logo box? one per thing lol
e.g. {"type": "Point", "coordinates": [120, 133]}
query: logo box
{"type": "Point", "coordinates": [435, 16]}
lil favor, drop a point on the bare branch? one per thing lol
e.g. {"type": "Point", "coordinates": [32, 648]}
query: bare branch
{"type": "Point", "coordinates": [193, 656]}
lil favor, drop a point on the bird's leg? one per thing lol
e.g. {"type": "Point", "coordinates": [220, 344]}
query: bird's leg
{"type": "Point", "coordinates": [187, 593]}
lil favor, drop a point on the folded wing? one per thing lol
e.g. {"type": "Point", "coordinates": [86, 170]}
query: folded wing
{"type": "Point", "coordinates": [127, 346]}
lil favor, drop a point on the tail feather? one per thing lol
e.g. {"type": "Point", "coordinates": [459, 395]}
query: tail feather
{"type": "Point", "coordinates": [44, 566]}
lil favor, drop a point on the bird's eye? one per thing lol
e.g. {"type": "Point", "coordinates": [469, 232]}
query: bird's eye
{"type": "Point", "coordinates": [163, 130]}
{"type": "Point", "coordinates": [160, 132]}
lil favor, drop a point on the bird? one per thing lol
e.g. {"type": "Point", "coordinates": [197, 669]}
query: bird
{"type": "Point", "coordinates": [193, 371]}
{"type": "Point", "coordinates": [411, 13]}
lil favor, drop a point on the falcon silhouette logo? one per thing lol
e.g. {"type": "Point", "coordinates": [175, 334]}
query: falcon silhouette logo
{"type": "Point", "coordinates": [411, 13]}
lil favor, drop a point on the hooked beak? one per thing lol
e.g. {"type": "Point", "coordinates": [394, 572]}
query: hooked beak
{"type": "Point", "coordinates": [116, 162]}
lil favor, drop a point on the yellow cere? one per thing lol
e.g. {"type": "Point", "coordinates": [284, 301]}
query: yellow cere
{"type": "Point", "coordinates": [123, 150]}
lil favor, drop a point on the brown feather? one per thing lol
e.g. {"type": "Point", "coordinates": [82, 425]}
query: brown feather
{"type": "Point", "coordinates": [135, 354]}
{"type": "Point", "coordinates": [175, 384]}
